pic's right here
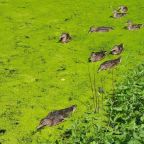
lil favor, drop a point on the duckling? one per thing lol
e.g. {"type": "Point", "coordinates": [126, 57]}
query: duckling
{"type": "Point", "coordinates": [56, 117]}
{"type": "Point", "coordinates": [123, 9]}
{"type": "Point", "coordinates": [65, 38]}
{"type": "Point", "coordinates": [117, 14]}
{"type": "Point", "coordinates": [117, 49]}
{"type": "Point", "coordinates": [132, 26]}
{"type": "Point", "coordinates": [97, 56]}
{"type": "Point", "coordinates": [109, 64]}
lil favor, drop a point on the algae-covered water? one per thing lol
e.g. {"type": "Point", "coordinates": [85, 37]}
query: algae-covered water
{"type": "Point", "coordinates": [38, 74]}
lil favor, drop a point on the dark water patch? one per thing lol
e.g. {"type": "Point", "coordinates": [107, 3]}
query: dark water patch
{"type": "Point", "coordinates": [66, 19]}
{"type": "Point", "coordinates": [62, 68]}
{"type": "Point", "coordinates": [70, 99]}
{"type": "Point", "coordinates": [2, 131]}
{"type": "Point", "coordinates": [16, 123]}
{"type": "Point", "coordinates": [43, 90]}
{"type": "Point", "coordinates": [27, 37]}
{"type": "Point", "coordinates": [43, 60]}
{"type": "Point", "coordinates": [4, 2]}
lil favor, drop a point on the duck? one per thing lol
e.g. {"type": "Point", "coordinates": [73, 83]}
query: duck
{"type": "Point", "coordinates": [56, 117]}
{"type": "Point", "coordinates": [65, 38]}
{"type": "Point", "coordinates": [97, 56]}
{"type": "Point", "coordinates": [117, 14]}
{"type": "Point", "coordinates": [123, 9]}
{"type": "Point", "coordinates": [109, 64]}
{"type": "Point", "coordinates": [131, 26]}
{"type": "Point", "coordinates": [117, 49]}
{"type": "Point", "coordinates": [101, 29]}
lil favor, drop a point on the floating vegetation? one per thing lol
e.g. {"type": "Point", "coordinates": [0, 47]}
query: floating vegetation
{"type": "Point", "coordinates": [38, 73]}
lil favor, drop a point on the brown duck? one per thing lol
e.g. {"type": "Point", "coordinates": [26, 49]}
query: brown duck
{"type": "Point", "coordinates": [117, 49]}
{"type": "Point", "coordinates": [56, 117]}
{"type": "Point", "coordinates": [97, 56]}
{"type": "Point", "coordinates": [131, 26]}
{"type": "Point", "coordinates": [109, 64]}
{"type": "Point", "coordinates": [65, 38]}
{"type": "Point", "coordinates": [123, 9]}
{"type": "Point", "coordinates": [101, 29]}
{"type": "Point", "coordinates": [117, 14]}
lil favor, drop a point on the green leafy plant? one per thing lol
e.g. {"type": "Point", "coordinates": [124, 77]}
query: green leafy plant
{"type": "Point", "coordinates": [126, 121]}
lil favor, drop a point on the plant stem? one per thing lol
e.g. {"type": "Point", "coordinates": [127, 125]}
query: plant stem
{"type": "Point", "coordinates": [92, 89]}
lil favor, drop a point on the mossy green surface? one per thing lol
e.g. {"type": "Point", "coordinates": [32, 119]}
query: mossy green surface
{"type": "Point", "coordinates": [38, 74]}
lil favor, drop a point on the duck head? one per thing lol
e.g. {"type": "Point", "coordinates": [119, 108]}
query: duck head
{"type": "Point", "coordinates": [92, 29]}
{"type": "Point", "coordinates": [73, 107]}
{"type": "Point", "coordinates": [44, 122]}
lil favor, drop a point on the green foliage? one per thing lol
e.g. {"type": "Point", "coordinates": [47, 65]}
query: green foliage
{"type": "Point", "coordinates": [126, 117]}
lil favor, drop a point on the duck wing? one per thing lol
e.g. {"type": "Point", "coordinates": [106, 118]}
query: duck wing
{"type": "Point", "coordinates": [97, 56]}
{"type": "Point", "coordinates": [103, 29]}
{"type": "Point", "coordinates": [109, 64]}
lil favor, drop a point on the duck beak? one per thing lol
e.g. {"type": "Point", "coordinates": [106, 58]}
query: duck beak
{"type": "Point", "coordinates": [40, 127]}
